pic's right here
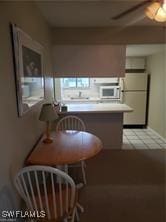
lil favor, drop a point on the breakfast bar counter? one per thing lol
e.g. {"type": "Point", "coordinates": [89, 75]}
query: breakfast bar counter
{"type": "Point", "coordinates": [98, 108]}
{"type": "Point", "coordinates": [105, 120]}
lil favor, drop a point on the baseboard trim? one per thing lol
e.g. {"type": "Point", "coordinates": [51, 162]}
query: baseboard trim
{"type": "Point", "coordinates": [157, 134]}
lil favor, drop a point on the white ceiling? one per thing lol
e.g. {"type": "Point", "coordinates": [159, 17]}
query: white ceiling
{"type": "Point", "coordinates": [85, 13]}
{"type": "Point", "coordinates": [144, 50]}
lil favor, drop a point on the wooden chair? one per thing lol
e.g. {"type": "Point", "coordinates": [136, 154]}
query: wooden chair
{"type": "Point", "coordinates": [48, 189]}
{"type": "Point", "coordinates": [73, 123]}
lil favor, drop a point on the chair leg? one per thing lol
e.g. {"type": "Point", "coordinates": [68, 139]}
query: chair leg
{"type": "Point", "coordinates": [74, 214]}
{"type": "Point", "coordinates": [77, 215]}
{"type": "Point", "coordinates": [83, 172]}
{"type": "Point", "coordinates": [66, 169]}
{"type": "Point", "coordinates": [80, 207]}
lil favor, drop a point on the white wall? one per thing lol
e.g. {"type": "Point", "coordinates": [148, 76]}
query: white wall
{"type": "Point", "coordinates": [157, 102]}
{"type": "Point", "coordinates": [18, 135]}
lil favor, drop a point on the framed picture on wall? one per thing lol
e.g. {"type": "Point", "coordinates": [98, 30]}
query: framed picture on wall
{"type": "Point", "coordinates": [28, 60]}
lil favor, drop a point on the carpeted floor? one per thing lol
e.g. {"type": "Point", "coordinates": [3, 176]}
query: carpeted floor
{"type": "Point", "coordinates": [124, 186]}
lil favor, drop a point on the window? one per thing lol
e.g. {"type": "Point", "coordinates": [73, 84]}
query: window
{"type": "Point", "coordinates": [69, 82]}
{"type": "Point", "coordinates": [76, 82]}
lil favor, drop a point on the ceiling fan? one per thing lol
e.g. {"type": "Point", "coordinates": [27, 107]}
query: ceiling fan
{"type": "Point", "coordinates": [155, 10]}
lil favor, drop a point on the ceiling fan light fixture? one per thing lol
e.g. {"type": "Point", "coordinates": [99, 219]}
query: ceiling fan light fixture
{"type": "Point", "coordinates": [161, 15]}
{"type": "Point", "coordinates": [164, 6]}
{"type": "Point", "coordinates": [152, 9]}
{"type": "Point", "coordinates": [156, 11]}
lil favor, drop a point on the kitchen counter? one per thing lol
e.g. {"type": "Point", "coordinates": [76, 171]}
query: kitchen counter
{"type": "Point", "coordinates": [104, 120]}
{"type": "Point", "coordinates": [98, 108]}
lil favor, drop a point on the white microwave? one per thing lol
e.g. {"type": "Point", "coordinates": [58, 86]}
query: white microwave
{"type": "Point", "coordinates": [109, 92]}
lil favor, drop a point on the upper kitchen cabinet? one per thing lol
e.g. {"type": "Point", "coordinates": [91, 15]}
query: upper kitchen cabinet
{"type": "Point", "coordinates": [89, 60]}
{"type": "Point", "coordinates": [135, 63]}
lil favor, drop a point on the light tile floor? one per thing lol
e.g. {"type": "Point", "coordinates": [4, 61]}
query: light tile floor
{"type": "Point", "coordinates": [142, 139]}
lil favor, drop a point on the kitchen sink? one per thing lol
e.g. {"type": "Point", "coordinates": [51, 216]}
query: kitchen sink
{"type": "Point", "coordinates": [79, 98]}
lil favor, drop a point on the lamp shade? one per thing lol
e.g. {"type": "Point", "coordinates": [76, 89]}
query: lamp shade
{"type": "Point", "coordinates": [48, 113]}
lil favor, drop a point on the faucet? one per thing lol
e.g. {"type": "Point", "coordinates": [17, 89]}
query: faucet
{"type": "Point", "coordinates": [80, 94]}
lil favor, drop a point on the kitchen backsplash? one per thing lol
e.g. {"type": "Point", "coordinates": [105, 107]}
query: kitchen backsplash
{"type": "Point", "coordinates": [92, 91]}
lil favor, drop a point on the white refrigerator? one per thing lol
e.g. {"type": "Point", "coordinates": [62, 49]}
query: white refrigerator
{"type": "Point", "coordinates": [134, 94]}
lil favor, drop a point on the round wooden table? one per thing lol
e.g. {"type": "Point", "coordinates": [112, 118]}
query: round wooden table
{"type": "Point", "coordinates": [68, 147]}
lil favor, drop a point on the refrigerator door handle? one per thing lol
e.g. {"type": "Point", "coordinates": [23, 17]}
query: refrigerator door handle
{"type": "Point", "coordinates": [122, 97]}
{"type": "Point", "coordinates": [123, 84]}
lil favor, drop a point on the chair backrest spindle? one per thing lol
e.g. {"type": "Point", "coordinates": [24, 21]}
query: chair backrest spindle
{"type": "Point", "coordinates": [38, 191]}
{"type": "Point", "coordinates": [46, 195]}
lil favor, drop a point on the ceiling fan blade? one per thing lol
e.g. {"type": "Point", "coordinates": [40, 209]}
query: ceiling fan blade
{"type": "Point", "coordinates": [132, 9]}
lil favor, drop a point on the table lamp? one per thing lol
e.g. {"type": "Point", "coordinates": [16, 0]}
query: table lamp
{"type": "Point", "coordinates": [48, 114]}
